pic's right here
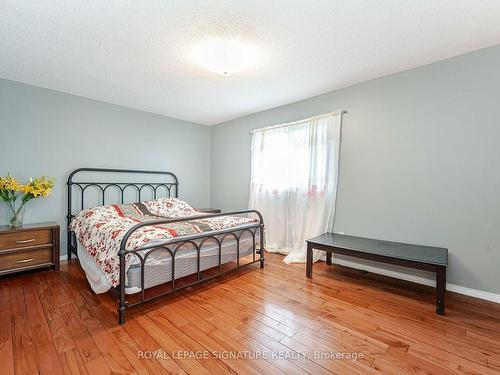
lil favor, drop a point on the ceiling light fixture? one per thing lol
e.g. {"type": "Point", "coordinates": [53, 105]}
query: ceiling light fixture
{"type": "Point", "coordinates": [224, 57]}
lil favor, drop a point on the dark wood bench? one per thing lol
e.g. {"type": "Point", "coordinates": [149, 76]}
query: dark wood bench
{"type": "Point", "coordinates": [427, 258]}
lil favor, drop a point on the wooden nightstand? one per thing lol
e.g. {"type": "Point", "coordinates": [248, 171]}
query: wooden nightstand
{"type": "Point", "coordinates": [29, 247]}
{"type": "Point", "coordinates": [210, 210]}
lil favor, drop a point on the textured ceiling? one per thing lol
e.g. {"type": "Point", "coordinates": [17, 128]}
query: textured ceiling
{"type": "Point", "coordinates": [138, 53]}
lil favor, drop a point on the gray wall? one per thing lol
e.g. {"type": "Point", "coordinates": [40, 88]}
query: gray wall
{"type": "Point", "coordinates": [419, 162]}
{"type": "Point", "coordinates": [48, 132]}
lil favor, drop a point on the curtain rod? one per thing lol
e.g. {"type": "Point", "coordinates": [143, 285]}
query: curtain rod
{"type": "Point", "coordinates": [338, 112]}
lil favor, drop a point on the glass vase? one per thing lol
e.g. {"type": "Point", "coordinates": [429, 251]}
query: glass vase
{"type": "Point", "coordinates": [15, 217]}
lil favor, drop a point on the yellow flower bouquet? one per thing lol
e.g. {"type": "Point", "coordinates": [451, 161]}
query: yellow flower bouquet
{"type": "Point", "coordinates": [11, 189]}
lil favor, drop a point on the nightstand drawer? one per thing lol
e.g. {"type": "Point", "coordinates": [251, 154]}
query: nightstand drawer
{"type": "Point", "coordinates": [25, 258]}
{"type": "Point", "coordinates": [25, 239]}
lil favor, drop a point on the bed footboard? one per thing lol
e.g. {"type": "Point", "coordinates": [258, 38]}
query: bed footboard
{"type": "Point", "coordinates": [173, 245]}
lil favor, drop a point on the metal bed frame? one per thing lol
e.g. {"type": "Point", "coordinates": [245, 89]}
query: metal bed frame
{"type": "Point", "coordinates": [172, 246]}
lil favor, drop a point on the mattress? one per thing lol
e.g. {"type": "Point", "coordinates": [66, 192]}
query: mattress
{"type": "Point", "coordinates": [160, 271]}
{"type": "Point", "coordinates": [158, 267]}
{"type": "Point", "coordinates": [101, 229]}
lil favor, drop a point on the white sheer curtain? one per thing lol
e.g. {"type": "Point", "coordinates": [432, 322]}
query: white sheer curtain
{"type": "Point", "coordinates": [294, 182]}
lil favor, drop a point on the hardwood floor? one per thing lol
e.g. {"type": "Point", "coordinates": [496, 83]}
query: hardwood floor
{"type": "Point", "coordinates": [51, 322]}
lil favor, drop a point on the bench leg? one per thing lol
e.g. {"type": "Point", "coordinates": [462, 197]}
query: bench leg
{"type": "Point", "coordinates": [329, 258]}
{"type": "Point", "coordinates": [309, 260]}
{"type": "Point", "coordinates": [440, 289]}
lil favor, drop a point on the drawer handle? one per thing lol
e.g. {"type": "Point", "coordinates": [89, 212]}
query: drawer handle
{"type": "Point", "coordinates": [25, 260]}
{"type": "Point", "coordinates": [26, 241]}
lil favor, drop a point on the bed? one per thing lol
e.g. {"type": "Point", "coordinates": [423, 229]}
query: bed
{"type": "Point", "coordinates": [157, 244]}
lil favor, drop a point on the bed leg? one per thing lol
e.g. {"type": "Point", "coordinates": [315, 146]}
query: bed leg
{"type": "Point", "coordinates": [70, 247]}
{"type": "Point", "coordinates": [122, 307]}
{"type": "Point", "coordinates": [121, 315]}
{"type": "Point", "coordinates": [262, 257]}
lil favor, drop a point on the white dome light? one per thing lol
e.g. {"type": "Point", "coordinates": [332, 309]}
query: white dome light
{"type": "Point", "coordinates": [224, 57]}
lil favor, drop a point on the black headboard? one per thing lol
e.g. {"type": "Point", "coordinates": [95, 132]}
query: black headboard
{"type": "Point", "coordinates": [169, 185]}
{"type": "Point", "coordinates": [165, 184]}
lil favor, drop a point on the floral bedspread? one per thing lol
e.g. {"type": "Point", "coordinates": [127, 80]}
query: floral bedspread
{"type": "Point", "coordinates": [101, 229]}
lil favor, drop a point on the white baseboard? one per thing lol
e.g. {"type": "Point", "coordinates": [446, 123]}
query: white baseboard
{"type": "Point", "coordinates": [488, 296]}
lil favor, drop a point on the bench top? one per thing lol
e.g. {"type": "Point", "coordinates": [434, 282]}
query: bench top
{"type": "Point", "coordinates": [417, 253]}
